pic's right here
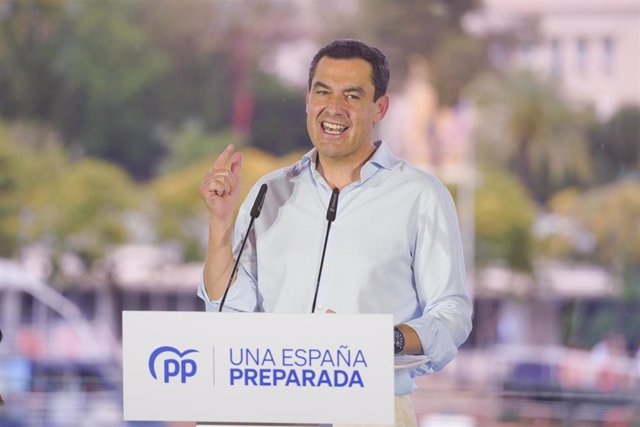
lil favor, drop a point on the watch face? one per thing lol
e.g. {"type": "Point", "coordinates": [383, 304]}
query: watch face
{"type": "Point", "coordinates": [398, 340]}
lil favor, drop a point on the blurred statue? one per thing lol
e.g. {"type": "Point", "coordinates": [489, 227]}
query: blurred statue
{"type": "Point", "coordinates": [422, 135]}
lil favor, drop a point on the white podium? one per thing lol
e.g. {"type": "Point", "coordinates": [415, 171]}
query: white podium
{"type": "Point", "coordinates": [258, 368]}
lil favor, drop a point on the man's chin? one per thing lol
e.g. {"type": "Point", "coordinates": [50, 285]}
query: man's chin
{"type": "Point", "coordinates": [334, 154]}
{"type": "Point", "coordinates": [330, 147]}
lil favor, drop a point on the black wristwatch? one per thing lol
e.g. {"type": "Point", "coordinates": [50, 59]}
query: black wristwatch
{"type": "Point", "coordinates": [398, 341]}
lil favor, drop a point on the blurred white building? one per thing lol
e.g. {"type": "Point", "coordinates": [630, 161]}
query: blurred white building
{"type": "Point", "coordinates": [591, 46]}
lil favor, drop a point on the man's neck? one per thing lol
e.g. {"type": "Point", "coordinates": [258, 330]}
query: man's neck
{"type": "Point", "coordinates": [339, 174]}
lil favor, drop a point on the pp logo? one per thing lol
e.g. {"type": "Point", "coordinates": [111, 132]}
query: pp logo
{"type": "Point", "coordinates": [173, 367]}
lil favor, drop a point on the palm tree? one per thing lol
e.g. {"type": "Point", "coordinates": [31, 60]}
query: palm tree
{"type": "Point", "coordinates": [525, 124]}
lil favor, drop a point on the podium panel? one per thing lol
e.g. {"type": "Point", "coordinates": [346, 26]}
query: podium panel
{"type": "Point", "coordinates": [261, 368]}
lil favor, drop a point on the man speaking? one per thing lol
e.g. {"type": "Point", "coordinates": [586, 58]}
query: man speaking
{"type": "Point", "coordinates": [394, 245]}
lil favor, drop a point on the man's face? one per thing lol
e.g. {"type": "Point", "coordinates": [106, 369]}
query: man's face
{"type": "Point", "coordinates": [341, 111]}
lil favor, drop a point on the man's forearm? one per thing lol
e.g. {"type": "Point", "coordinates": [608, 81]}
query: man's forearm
{"type": "Point", "coordinates": [219, 261]}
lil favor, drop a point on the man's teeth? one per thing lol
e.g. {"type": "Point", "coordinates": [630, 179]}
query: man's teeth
{"type": "Point", "coordinates": [333, 128]}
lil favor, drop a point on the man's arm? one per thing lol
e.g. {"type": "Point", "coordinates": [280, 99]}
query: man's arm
{"type": "Point", "coordinates": [220, 190]}
{"type": "Point", "coordinates": [440, 276]}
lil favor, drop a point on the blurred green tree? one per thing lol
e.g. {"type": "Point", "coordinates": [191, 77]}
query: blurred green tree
{"type": "Point", "coordinates": [83, 211]}
{"type": "Point", "coordinates": [526, 126]}
{"type": "Point", "coordinates": [431, 29]}
{"type": "Point", "coordinates": [279, 124]}
{"type": "Point", "coordinates": [112, 66]}
{"type": "Point", "coordinates": [503, 216]}
{"type": "Point", "coordinates": [192, 143]}
{"type": "Point", "coordinates": [72, 207]}
{"type": "Point", "coordinates": [456, 61]}
{"type": "Point", "coordinates": [114, 77]}
{"type": "Point", "coordinates": [86, 68]}
{"type": "Point", "coordinates": [31, 157]}
{"type": "Point", "coordinates": [31, 33]}
{"type": "Point", "coordinates": [615, 145]}
{"type": "Point", "coordinates": [219, 43]}
{"type": "Point", "coordinates": [196, 86]}
{"type": "Point", "coordinates": [610, 213]}
{"type": "Point", "coordinates": [13, 183]}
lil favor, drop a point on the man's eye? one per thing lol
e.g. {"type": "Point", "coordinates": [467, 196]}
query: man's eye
{"type": "Point", "coordinates": [353, 97]}
{"type": "Point", "coordinates": [322, 92]}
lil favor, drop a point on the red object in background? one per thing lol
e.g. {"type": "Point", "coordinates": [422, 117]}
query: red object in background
{"type": "Point", "coordinates": [617, 417]}
{"type": "Point", "coordinates": [242, 112]}
{"type": "Point", "coordinates": [29, 342]}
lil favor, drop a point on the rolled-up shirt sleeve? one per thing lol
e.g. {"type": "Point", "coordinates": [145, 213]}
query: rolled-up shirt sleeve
{"type": "Point", "coordinates": [241, 296]}
{"type": "Point", "coordinates": [440, 279]}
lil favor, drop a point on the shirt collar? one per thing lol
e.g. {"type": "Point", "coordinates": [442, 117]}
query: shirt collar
{"type": "Point", "coordinates": [381, 158]}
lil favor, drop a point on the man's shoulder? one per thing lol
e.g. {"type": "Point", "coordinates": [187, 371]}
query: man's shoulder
{"type": "Point", "coordinates": [409, 173]}
{"type": "Point", "coordinates": [284, 174]}
{"type": "Point", "coordinates": [277, 181]}
{"type": "Point", "coordinates": [282, 177]}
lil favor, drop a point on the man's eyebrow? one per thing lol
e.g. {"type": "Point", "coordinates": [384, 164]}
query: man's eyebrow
{"type": "Point", "coordinates": [320, 84]}
{"type": "Point", "coordinates": [357, 89]}
{"type": "Point", "coordinates": [360, 91]}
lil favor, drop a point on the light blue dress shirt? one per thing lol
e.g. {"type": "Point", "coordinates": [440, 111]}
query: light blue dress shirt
{"type": "Point", "coordinates": [394, 248]}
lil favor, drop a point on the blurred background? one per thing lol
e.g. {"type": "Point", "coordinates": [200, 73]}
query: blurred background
{"type": "Point", "coordinates": [529, 110]}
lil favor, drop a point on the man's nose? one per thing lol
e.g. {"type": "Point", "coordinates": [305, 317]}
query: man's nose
{"type": "Point", "coordinates": [335, 105]}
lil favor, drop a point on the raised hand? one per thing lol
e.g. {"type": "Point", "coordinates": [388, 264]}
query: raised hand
{"type": "Point", "coordinates": [220, 186]}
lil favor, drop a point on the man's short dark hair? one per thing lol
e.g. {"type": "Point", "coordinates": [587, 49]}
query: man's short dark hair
{"type": "Point", "coordinates": [347, 49]}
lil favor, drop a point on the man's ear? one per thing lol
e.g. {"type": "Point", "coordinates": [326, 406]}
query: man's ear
{"type": "Point", "coordinates": [382, 105]}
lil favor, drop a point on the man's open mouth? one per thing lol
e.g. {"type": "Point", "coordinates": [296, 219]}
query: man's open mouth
{"type": "Point", "coordinates": [333, 128]}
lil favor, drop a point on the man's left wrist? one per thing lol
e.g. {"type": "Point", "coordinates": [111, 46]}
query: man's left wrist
{"type": "Point", "coordinates": [398, 341]}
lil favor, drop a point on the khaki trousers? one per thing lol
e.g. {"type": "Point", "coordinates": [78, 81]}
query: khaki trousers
{"type": "Point", "coordinates": [405, 416]}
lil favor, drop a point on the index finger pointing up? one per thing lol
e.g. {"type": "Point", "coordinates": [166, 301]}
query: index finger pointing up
{"type": "Point", "coordinates": [221, 161]}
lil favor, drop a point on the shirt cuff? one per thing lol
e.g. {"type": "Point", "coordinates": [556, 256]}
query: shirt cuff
{"type": "Point", "coordinates": [238, 300]}
{"type": "Point", "coordinates": [436, 342]}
